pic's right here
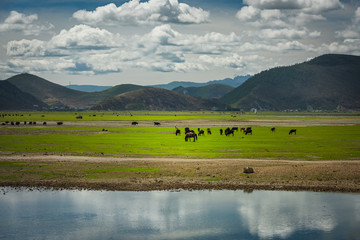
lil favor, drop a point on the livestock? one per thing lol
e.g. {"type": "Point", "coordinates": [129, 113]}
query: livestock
{"type": "Point", "coordinates": [79, 117]}
{"type": "Point", "coordinates": [221, 131]}
{"type": "Point", "coordinates": [201, 132]}
{"type": "Point", "coordinates": [248, 131]}
{"type": "Point", "coordinates": [156, 123]}
{"type": "Point", "coordinates": [208, 131]}
{"type": "Point", "coordinates": [59, 123]}
{"type": "Point", "coordinates": [44, 123]}
{"type": "Point", "coordinates": [228, 131]}
{"type": "Point", "coordinates": [235, 129]}
{"type": "Point", "coordinates": [192, 135]}
{"type": "Point", "coordinates": [134, 123]}
{"type": "Point", "coordinates": [242, 129]}
{"type": "Point", "coordinates": [273, 129]}
{"type": "Point", "coordinates": [292, 131]}
{"type": "Point", "coordinates": [177, 132]}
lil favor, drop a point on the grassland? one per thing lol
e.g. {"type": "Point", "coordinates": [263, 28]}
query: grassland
{"type": "Point", "coordinates": [325, 151]}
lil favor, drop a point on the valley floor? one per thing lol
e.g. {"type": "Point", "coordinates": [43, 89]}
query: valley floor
{"type": "Point", "coordinates": [146, 174]}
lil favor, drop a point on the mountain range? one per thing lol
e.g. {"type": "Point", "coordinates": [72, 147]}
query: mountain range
{"type": "Point", "coordinates": [233, 82]}
{"type": "Point", "coordinates": [327, 82]}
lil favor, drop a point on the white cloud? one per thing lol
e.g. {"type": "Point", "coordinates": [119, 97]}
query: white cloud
{"type": "Point", "coordinates": [285, 33]}
{"type": "Point", "coordinates": [20, 22]}
{"type": "Point", "coordinates": [136, 12]}
{"type": "Point", "coordinates": [27, 48]}
{"type": "Point", "coordinates": [352, 31]}
{"type": "Point", "coordinates": [310, 6]}
{"type": "Point", "coordinates": [83, 36]}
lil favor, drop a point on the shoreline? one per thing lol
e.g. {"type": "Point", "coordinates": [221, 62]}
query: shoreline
{"type": "Point", "coordinates": [55, 172]}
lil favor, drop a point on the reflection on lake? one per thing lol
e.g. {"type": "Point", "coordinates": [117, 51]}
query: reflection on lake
{"type": "Point", "coordinates": [178, 215]}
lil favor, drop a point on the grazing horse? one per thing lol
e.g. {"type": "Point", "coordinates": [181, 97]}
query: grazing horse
{"type": "Point", "coordinates": [242, 129]}
{"type": "Point", "coordinates": [201, 132]}
{"type": "Point", "coordinates": [190, 134]}
{"type": "Point", "coordinates": [59, 123]}
{"type": "Point", "coordinates": [156, 123]}
{"type": "Point", "coordinates": [134, 123]}
{"type": "Point", "coordinates": [177, 132]}
{"type": "Point", "coordinates": [208, 131]}
{"type": "Point", "coordinates": [273, 129]}
{"type": "Point", "coordinates": [248, 131]}
{"type": "Point", "coordinates": [221, 131]}
{"type": "Point", "coordinates": [228, 131]}
{"type": "Point", "coordinates": [292, 131]}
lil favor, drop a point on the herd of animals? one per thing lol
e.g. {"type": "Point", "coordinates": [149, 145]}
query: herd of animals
{"type": "Point", "coordinates": [189, 133]}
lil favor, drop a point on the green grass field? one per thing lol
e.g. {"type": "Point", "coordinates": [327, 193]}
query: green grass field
{"type": "Point", "coordinates": [311, 143]}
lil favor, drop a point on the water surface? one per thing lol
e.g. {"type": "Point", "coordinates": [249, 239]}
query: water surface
{"type": "Point", "coordinates": [178, 215]}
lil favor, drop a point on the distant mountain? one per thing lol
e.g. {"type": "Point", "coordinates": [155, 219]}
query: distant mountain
{"type": "Point", "coordinates": [327, 82]}
{"type": "Point", "coordinates": [59, 96]}
{"type": "Point", "coordinates": [52, 94]}
{"type": "Point", "coordinates": [12, 98]}
{"type": "Point", "coordinates": [88, 88]}
{"type": "Point", "coordinates": [157, 99]}
{"type": "Point", "coordinates": [208, 91]}
{"type": "Point", "coordinates": [235, 82]}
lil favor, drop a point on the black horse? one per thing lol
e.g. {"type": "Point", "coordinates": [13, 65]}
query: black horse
{"type": "Point", "coordinates": [248, 131]}
{"type": "Point", "coordinates": [134, 123]}
{"type": "Point", "coordinates": [190, 135]}
{"type": "Point", "coordinates": [228, 131]}
{"type": "Point", "coordinates": [177, 132]}
{"type": "Point", "coordinates": [292, 131]}
{"type": "Point", "coordinates": [273, 129]}
{"type": "Point", "coordinates": [156, 124]}
{"type": "Point", "coordinates": [201, 132]}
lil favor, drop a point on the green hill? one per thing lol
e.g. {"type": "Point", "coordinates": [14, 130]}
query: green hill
{"type": "Point", "coordinates": [11, 98]}
{"type": "Point", "coordinates": [208, 91]}
{"type": "Point", "coordinates": [157, 99]}
{"type": "Point", "coordinates": [52, 94]}
{"type": "Point", "coordinates": [59, 96]}
{"type": "Point", "coordinates": [326, 82]}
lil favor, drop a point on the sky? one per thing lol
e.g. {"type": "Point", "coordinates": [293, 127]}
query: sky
{"type": "Point", "coordinates": [101, 42]}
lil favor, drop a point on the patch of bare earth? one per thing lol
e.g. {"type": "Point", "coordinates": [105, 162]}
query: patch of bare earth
{"type": "Point", "coordinates": [72, 172]}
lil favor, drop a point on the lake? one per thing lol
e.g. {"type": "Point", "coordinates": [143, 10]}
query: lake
{"type": "Point", "coordinates": [66, 214]}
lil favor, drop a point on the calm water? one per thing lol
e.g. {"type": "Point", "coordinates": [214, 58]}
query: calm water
{"type": "Point", "coordinates": [178, 215]}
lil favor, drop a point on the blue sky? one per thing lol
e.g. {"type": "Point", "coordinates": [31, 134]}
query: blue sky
{"type": "Point", "coordinates": [104, 42]}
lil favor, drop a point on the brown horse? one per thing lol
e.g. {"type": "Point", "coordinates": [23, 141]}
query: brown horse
{"type": "Point", "coordinates": [190, 135]}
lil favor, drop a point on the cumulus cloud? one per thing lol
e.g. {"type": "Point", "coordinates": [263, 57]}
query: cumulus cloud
{"type": "Point", "coordinates": [353, 30]}
{"type": "Point", "coordinates": [24, 23]}
{"type": "Point", "coordinates": [83, 36]}
{"type": "Point", "coordinates": [310, 6]}
{"type": "Point", "coordinates": [284, 19]}
{"type": "Point", "coordinates": [27, 48]}
{"type": "Point", "coordinates": [136, 12]}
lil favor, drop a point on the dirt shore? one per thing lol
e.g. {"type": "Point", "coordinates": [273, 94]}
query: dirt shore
{"type": "Point", "coordinates": [146, 174]}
